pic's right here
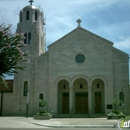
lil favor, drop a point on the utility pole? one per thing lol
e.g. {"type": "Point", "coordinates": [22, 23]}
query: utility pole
{"type": "Point", "coordinates": [27, 104]}
{"type": "Point", "coordinates": [122, 97]}
{"type": "Point", "coordinates": [1, 104]}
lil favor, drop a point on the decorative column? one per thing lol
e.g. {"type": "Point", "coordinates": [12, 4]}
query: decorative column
{"type": "Point", "coordinates": [90, 101]}
{"type": "Point", "coordinates": [71, 101]}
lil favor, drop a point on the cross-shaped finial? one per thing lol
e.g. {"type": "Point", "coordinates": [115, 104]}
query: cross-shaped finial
{"type": "Point", "coordinates": [79, 21]}
{"type": "Point", "coordinates": [31, 2]}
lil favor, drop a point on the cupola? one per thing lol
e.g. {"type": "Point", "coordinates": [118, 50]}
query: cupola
{"type": "Point", "coordinates": [32, 25]}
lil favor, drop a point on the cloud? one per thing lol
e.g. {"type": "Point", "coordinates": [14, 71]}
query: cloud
{"type": "Point", "coordinates": [108, 19]}
{"type": "Point", "coordinates": [124, 43]}
{"type": "Point", "coordinates": [58, 28]}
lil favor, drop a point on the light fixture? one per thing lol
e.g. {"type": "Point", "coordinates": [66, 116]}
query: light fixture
{"type": "Point", "coordinates": [97, 85]}
{"type": "Point", "coordinates": [81, 85]}
{"type": "Point", "coordinates": [64, 85]}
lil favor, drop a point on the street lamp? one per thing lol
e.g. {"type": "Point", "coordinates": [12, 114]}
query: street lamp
{"type": "Point", "coordinates": [123, 105]}
{"type": "Point", "coordinates": [27, 104]}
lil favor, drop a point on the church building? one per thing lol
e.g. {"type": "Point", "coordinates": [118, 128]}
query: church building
{"type": "Point", "coordinates": [80, 75]}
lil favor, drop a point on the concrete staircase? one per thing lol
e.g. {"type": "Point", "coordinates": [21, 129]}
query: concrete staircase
{"type": "Point", "coordinates": [79, 116]}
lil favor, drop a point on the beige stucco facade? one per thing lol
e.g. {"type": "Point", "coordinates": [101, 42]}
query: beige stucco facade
{"type": "Point", "coordinates": [71, 88]}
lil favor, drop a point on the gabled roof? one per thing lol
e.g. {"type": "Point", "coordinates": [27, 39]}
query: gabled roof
{"type": "Point", "coordinates": [85, 31]}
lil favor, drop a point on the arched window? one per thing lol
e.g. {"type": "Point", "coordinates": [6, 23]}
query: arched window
{"type": "Point", "coordinates": [121, 96]}
{"type": "Point", "coordinates": [41, 101]}
{"type": "Point", "coordinates": [29, 38]}
{"type": "Point", "coordinates": [20, 16]}
{"type": "Point", "coordinates": [81, 86]}
{"type": "Point", "coordinates": [25, 40]}
{"type": "Point", "coordinates": [25, 88]}
{"type": "Point", "coordinates": [35, 16]}
{"type": "Point", "coordinates": [41, 96]}
{"type": "Point", "coordinates": [27, 15]}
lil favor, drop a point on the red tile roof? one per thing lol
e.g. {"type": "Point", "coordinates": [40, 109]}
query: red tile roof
{"type": "Point", "coordinates": [7, 89]}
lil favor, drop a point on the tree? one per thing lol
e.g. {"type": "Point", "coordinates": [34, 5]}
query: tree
{"type": "Point", "coordinates": [42, 102]}
{"type": "Point", "coordinates": [116, 104]}
{"type": "Point", "coordinates": [10, 51]}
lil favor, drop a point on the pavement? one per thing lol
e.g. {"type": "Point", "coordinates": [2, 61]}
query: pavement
{"type": "Point", "coordinates": [78, 123]}
{"type": "Point", "coordinates": [23, 122]}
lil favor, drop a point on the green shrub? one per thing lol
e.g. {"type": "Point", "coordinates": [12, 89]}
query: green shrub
{"type": "Point", "coordinates": [43, 111]}
{"type": "Point", "coordinates": [116, 112]}
{"type": "Point", "coordinates": [42, 114]}
{"type": "Point", "coordinates": [42, 102]}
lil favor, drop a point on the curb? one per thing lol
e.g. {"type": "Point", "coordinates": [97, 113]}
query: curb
{"type": "Point", "coordinates": [77, 126]}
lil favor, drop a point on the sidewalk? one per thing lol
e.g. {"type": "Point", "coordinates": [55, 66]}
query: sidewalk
{"type": "Point", "coordinates": [58, 122]}
{"type": "Point", "coordinates": [77, 123]}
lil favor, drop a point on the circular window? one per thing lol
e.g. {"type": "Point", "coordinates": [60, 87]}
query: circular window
{"type": "Point", "coordinates": [80, 58]}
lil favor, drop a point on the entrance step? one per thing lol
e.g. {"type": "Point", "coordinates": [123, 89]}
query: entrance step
{"type": "Point", "coordinates": [79, 116]}
{"type": "Point", "coordinates": [99, 115]}
{"type": "Point", "coordinates": [62, 116]}
{"type": "Point", "coordinates": [73, 116]}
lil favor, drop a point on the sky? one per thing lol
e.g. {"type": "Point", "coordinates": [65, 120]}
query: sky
{"type": "Point", "coordinates": [109, 19]}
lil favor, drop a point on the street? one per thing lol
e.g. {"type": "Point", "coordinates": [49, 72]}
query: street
{"type": "Point", "coordinates": [62, 128]}
{"type": "Point", "coordinates": [22, 123]}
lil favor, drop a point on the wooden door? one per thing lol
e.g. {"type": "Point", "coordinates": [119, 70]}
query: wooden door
{"type": "Point", "coordinates": [65, 103]}
{"type": "Point", "coordinates": [85, 105]}
{"type": "Point", "coordinates": [78, 104]}
{"type": "Point", "coordinates": [98, 102]}
{"type": "Point", "coordinates": [81, 102]}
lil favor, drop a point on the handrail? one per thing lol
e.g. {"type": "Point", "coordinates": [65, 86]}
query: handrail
{"type": "Point", "coordinates": [71, 112]}
{"type": "Point", "coordinates": [89, 113]}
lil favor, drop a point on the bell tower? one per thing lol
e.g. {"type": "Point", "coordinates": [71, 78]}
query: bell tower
{"type": "Point", "coordinates": [32, 25]}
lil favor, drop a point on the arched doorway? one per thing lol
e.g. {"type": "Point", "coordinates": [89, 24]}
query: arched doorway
{"type": "Point", "coordinates": [63, 97]}
{"type": "Point", "coordinates": [98, 96]}
{"type": "Point", "coordinates": [80, 89]}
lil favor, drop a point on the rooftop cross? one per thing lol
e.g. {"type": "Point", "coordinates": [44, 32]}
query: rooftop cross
{"type": "Point", "coordinates": [31, 2]}
{"type": "Point", "coordinates": [79, 21]}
